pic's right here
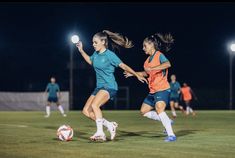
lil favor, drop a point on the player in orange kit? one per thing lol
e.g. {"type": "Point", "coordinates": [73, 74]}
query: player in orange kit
{"type": "Point", "coordinates": [156, 70]}
{"type": "Point", "coordinates": [188, 95]}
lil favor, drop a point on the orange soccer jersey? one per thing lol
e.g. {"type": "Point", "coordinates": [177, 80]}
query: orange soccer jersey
{"type": "Point", "coordinates": [186, 93]}
{"type": "Point", "coordinates": [157, 79]}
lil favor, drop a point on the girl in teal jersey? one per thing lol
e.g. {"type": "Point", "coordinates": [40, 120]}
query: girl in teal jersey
{"type": "Point", "coordinates": [53, 90]}
{"type": "Point", "coordinates": [104, 62]}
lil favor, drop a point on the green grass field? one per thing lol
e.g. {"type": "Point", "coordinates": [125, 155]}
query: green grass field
{"type": "Point", "coordinates": [211, 134]}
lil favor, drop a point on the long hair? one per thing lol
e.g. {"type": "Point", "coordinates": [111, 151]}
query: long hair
{"type": "Point", "coordinates": [115, 39]}
{"type": "Point", "coordinates": [161, 42]}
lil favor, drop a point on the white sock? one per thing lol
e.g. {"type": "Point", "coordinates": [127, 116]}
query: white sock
{"type": "Point", "coordinates": [173, 113]}
{"type": "Point", "coordinates": [99, 125]}
{"type": "Point", "coordinates": [61, 109]}
{"type": "Point", "coordinates": [187, 110]}
{"type": "Point", "coordinates": [190, 110]}
{"type": "Point", "coordinates": [48, 110]}
{"type": "Point", "coordinates": [152, 115]}
{"type": "Point", "coordinates": [106, 123]}
{"type": "Point", "coordinates": [166, 123]}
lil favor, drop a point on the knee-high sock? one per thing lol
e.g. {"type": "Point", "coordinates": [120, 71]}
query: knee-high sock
{"type": "Point", "coordinates": [152, 115]}
{"type": "Point", "coordinates": [61, 109]}
{"type": "Point", "coordinates": [166, 123]}
{"type": "Point", "coordinates": [48, 110]}
{"type": "Point", "coordinates": [99, 125]}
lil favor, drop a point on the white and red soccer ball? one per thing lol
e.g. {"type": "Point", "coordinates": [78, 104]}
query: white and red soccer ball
{"type": "Point", "coordinates": [65, 133]}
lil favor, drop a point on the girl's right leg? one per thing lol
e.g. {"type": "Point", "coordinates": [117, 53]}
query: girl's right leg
{"type": "Point", "coordinates": [48, 109]}
{"type": "Point", "coordinates": [147, 111]}
{"type": "Point", "coordinates": [100, 99]}
{"type": "Point", "coordinates": [87, 109]}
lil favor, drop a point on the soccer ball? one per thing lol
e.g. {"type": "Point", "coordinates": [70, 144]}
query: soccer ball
{"type": "Point", "coordinates": [65, 133]}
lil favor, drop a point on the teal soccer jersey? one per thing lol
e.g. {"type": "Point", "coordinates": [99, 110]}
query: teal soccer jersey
{"type": "Point", "coordinates": [104, 65]}
{"type": "Point", "coordinates": [52, 90]}
{"type": "Point", "coordinates": [175, 87]}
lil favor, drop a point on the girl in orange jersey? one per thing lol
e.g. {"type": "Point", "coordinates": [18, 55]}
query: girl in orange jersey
{"type": "Point", "coordinates": [156, 70]}
{"type": "Point", "coordinates": [188, 95]}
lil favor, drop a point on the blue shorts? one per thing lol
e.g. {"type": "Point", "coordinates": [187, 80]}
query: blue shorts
{"type": "Point", "coordinates": [112, 92]}
{"type": "Point", "coordinates": [152, 99]}
{"type": "Point", "coordinates": [52, 99]}
{"type": "Point", "coordinates": [174, 99]}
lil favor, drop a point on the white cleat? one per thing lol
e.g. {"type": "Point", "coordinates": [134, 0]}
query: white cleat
{"type": "Point", "coordinates": [98, 137]}
{"type": "Point", "coordinates": [112, 131]}
{"type": "Point", "coordinates": [46, 116]}
{"type": "Point", "coordinates": [64, 115]}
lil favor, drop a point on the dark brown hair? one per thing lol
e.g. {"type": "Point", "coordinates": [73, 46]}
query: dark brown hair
{"type": "Point", "coordinates": [161, 42]}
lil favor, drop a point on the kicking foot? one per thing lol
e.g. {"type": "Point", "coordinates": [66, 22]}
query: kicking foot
{"type": "Point", "coordinates": [112, 130]}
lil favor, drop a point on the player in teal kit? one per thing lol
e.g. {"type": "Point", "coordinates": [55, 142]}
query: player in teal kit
{"type": "Point", "coordinates": [53, 90]}
{"type": "Point", "coordinates": [104, 62]}
{"type": "Point", "coordinates": [175, 96]}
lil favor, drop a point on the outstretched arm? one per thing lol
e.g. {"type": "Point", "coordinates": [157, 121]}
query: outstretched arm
{"type": "Point", "coordinates": [140, 73]}
{"type": "Point", "coordinates": [126, 68]}
{"type": "Point", "coordinates": [83, 53]}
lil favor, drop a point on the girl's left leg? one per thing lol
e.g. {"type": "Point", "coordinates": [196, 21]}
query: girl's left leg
{"type": "Point", "coordinates": [60, 108]}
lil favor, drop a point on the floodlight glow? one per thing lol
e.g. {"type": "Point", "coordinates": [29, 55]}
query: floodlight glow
{"type": "Point", "coordinates": [75, 39]}
{"type": "Point", "coordinates": [232, 47]}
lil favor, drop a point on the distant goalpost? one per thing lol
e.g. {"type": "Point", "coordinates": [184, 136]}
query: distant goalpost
{"type": "Point", "coordinates": [29, 101]}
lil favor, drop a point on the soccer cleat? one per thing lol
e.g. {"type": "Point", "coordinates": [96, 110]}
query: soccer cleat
{"type": "Point", "coordinates": [64, 115]}
{"type": "Point", "coordinates": [46, 116]}
{"type": "Point", "coordinates": [170, 139]}
{"type": "Point", "coordinates": [113, 130]}
{"type": "Point", "coordinates": [98, 137]}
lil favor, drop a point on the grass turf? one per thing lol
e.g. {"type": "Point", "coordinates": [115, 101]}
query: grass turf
{"type": "Point", "coordinates": [30, 135]}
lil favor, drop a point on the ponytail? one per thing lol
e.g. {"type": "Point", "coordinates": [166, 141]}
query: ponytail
{"type": "Point", "coordinates": [119, 39]}
{"type": "Point", "coordinates": [161, 42]}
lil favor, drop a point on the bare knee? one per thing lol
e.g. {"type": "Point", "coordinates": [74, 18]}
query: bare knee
{"type": "Point", "coordinates": [85, 112]}
{"type": "Point", "coordinates": [160, 107]}
{"type": "Point", "coordinates": [94, 107]}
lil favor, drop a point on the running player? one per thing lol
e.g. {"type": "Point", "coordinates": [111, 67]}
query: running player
{"type": "Point", "coordinates": [104, 62]}
{"type": "Point", "coordinates": [175, 96]}
{"type": "Point", "coordinates": [188, 94]}
{"type": "Point", "coordinates": [54, 95]}
{"type": "Point", "coordinates": [156, 70]}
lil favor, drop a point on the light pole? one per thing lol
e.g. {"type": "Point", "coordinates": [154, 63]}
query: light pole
{"type": "Point", "coordinates": [232, 48]}
{"type": "Point", "coordinates": [74, 39]}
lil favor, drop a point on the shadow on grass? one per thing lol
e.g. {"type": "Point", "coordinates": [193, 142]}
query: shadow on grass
{"type": "Point", "coordinates": [185, 132]}
{"type": "Point", "coordinates": [153, 134]}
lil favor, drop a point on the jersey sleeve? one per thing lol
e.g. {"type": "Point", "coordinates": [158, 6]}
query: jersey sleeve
{"type": "Point", "coordinates": [114, 59]}
{"type": "Point", "coordinates": [163, 58]}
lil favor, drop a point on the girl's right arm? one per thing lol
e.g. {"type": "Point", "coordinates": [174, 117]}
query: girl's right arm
{"type": "Point", "coordinates": [83, 53]}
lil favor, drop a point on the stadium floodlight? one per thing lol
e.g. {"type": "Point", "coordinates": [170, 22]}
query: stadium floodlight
{"type": "Point", "coordinates": [75, 39]}
{"type": "Point", "coordinates": [231, 55]}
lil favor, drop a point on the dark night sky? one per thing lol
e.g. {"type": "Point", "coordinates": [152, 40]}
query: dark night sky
{"type": "Point", "coordinates": [34, 40]}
